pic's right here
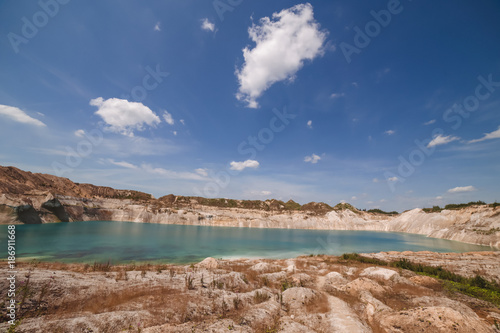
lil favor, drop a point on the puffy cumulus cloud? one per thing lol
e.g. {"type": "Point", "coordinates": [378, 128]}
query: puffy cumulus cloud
{"type": "Point", "coordinates": [202, 172]}
{"type": "Point", "coordinates": [441, 140]}
{"type": "Point", "coordinates": [310, 124]}
{"type": "Point", "coordinates": [282, 45]}
{"type": "Point", "coordinates": [207, 25]}
{"type": "Point", "coordinates": [390, 132]}
{"type": "Point", "coordinates": [239, 166]}
{"type": "Point", "coordinates": [168, 118]}
{"type": "Point", "coordinates": [19, 116]}
{"type": "Point", "coordinates": [462, 189]}
{"type": "Point", "coordinates": [488, 136]}
{"type": "Point", "coordinates": [157, 26]}
{"type": "Point", "coordinates": [123, 116]}
{"type": "Point", "coordinates": [312, 159]}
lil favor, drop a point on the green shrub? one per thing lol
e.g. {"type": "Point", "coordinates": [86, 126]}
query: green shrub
{"type": "Point", "coordinates": [365, 260]}
{"type": "Point", "coordinates": [292, 205]}
{"type": "Point", "coordinates": [476, 286]}
{"type": "Point", "coordinates": [379, 211]}
{"type": "Point", "coordinates": [464, 205]}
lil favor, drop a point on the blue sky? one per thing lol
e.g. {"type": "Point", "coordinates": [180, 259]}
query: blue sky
{"type": "Point", "coordinates": [383, 104]}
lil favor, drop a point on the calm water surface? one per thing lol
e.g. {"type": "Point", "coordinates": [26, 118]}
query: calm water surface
{"type": "Point", "coordinates": [122, 242]}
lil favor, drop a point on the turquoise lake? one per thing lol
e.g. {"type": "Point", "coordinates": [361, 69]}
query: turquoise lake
{"type": "Point", "coordinates": [121, 242]}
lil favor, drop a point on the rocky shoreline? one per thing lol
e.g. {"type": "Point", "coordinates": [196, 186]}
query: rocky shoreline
{"type": "Point", "coordinates": [32, 198]}
{"type": "Point", "coordinates": [305, 294]}
{"type": "Point", "coordinates": [475, 225]}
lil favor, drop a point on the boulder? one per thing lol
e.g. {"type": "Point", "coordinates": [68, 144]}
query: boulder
{"type": "Point", "coordinates": [379, 273]}
{"type": "Point", "coordinates": [208, 263]}
{"type": "Point", "coordinates": [55, 207]}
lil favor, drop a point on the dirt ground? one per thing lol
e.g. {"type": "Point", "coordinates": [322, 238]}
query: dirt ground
{"type": "Point", "coordinates": [305, 294]}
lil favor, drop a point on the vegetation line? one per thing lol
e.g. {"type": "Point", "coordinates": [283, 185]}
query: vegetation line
{"type": "Point", "coordinates": [476, 286]}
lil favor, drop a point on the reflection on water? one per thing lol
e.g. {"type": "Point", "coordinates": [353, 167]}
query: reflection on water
{"type": "Point", "coordinates": [125, 241]}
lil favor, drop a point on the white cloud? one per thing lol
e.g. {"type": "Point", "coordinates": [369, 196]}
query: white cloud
{"type": "Point", "coordinates": [202, 172]}
{"type": "Point", "coordinates": [390, 132]}
{"type": "Point", "coordinates": [159, 171]}
{"type": "Point", "coordinates": [265, 193]}
{"type": "Point", "coordinates": [375, 180]}
{"type": "Point", "coordinates": [335, 95]}
{"type": "Point", "coordinates": [157, 26]}
{"type": "Point", "coordinates": [430, 122]}
{"type": "Point", "coordinates": [207, 25]}
{"type": "Point", "coordinates": [488, 136]}
{"type": "Point", "coordinates": [441, 140]}
{"type": "Point", "coordinates": [122, 164]}
{"type": "Point", "coordinates": [168, 118]}
{"type": "Point", "coordinates": [174, 132]}
{"type": "Point", "coordinates": [79, 133]}
{"type": "Point", "coordinates": [313, 158]}
{"type": "Point", "coordinates": [125, 147]}
{"type": "Point", "coordinates": [393, 179]}
{"type": "Point", "coordinates": [182, 122]}
{"type": "Point", "coordinates": [171, 174]}
{"type": "Point", "coordinates": [462, 189]}
{"type": "Point", "coordinates": [19, 116]}
{"type": "Point", "coordinates": [439, 197]}
{"type": "Point", "coordinates": [310, 124]}
{"type": "Point", "coordinates": [282, 45]}
{"type": "Point", "coordinates": [123, 116]}
{"type": "Point", "coordinates": [354, 198]}
{"type": "Point", "coordinates": [239, 166]}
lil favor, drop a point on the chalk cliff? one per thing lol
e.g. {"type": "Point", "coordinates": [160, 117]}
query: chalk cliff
{"type": "Point", "coordinates": [38, 198]}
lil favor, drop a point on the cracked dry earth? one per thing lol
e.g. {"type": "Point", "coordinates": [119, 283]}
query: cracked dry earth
{"type": "Point", "coordinates": [305, 294]}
